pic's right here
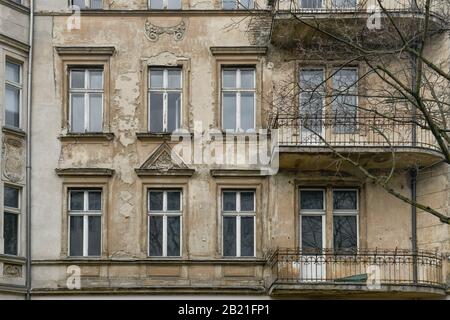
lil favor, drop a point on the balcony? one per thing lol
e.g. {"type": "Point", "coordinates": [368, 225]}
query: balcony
{"type": "Point", "coordinates": [374, 139]}
{"type": "Point", "coordinates": [373, 272]}
{"type": "Point", "coordinates": [349, 15]}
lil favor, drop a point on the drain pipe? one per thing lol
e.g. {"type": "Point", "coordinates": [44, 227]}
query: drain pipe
{"type": "Point", "coordinates": [28, 164]}
{"type": "Point", "coordinates": [413, 181]}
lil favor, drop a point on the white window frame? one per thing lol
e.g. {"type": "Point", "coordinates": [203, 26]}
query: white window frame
{"type": "Point", "coordinates": [15, 85]}
{"type": "Point", "coordinates": [314, 213]}
{"type": "Point", "coordinates": [165, 5]}
{"type": "Point", "coordinates": [86, 92]}
{"type": "Point", "coordinates": [347, 213]}
{"type": "Point", "coordinates": [85, 213]}
{"type": "Point", "coordinates": [238, 214]}
{"type": "Point", "coordinates": [238, 90]}
{"type": "Point", "coordinates": [164, 214]}
{"type": "Point", "coordinates": [17, 211]}
{"type": "Point", "coordinates": [165, 91]}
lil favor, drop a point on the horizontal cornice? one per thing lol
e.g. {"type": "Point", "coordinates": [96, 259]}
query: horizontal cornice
{"type": "Point", "coordinates": [239, 50]}
{"type": "Point", "coordinates": [90, 172]}
{"type": "Point", "coordinates": [85, 50]}
{"type": "Point", "coordinates": [13, 43]}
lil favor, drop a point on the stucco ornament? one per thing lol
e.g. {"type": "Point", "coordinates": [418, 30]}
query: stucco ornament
{"type": "Point", "coordinates": [13, 159]}
{"type": "Point", "coordinates": [12, 270]}
{"type": "Point", "coordinates": [164, 159]}
{"type": "Point", "coordinates": [153, 32]}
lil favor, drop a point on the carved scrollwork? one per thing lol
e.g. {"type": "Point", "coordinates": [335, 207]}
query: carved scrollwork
{"type": "Point", "coordinates": [153, 32]}
{"type": "Point", "coordinates": [13, 159]}
{"type": "Point", "coordinates": [12, 270]}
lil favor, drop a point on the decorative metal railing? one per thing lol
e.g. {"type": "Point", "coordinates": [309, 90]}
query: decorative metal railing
{"type": "Point", "coordinates": [360, 131]}
{"type": "Point", "coordinates": [357, 267]}
{"type": "Point", "coordinates": [357, 6]}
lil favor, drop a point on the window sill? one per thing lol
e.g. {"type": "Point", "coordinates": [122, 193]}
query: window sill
{"type": "Point", "coordinates": [102, 136]}
{"type": "Point", "coordinates": [12, 259]}
{"type": "Point", "coordinates": [163, 136]}
{"type": "Point", "coordinates": [14, 131]}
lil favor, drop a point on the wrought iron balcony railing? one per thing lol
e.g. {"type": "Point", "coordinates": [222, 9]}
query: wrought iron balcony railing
{"type": "Point", "coordinates": [357, 6]}
{"type": "Point", "coordinates": [358, 267]}
{"type": "Point", "coordinates": [356, 131]}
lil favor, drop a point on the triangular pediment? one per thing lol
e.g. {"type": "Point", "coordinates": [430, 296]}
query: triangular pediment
{"type": "Point", "coordinates": [164, 161]}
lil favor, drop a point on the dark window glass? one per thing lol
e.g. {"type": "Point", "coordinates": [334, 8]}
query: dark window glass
{"type": "Point", "coordinates": [76, 236]}
{"type": "Point", "coordinates": [173, 236]}
{"type": "Point", "coordinates": [345, 233]}
{"type": "Point", "coordinates": [311, 200]}
{"type": "Point", "coordinates": [247, 201]}
{"type": "Point", "coordinates": [95, 231]}
{"type": "Point", "coordinates": [311, 4]}
{"type": "Point", "coordinates": [10, 233]}
{"type": "Point", "coordinates": [229, 201]}
{"type": "Point", "coordinates": [156, 112]}
{"type": "Point", "coordinates": [173, 201]}
{"type": "Point", "coordinates": [174, 111]}
{"type": "Point", "coordinates": [156, 236]}
{"type": "Point", "coordinates": [229, 236]}
{"type": "Point", "coordinates": [311, 234]}
{"type": "Point", "coordinates": [345, 200]}
{"type": "Point", "coordinates": [11, 197]}
{"type": "Point", "coordinates": [247, 236]}
{"type": "Point", "coordinates": [156, 200]}
{"type": "Point", "coordinates": [77, 200]}
{"type": "Point", "coordinates": [95, 200]}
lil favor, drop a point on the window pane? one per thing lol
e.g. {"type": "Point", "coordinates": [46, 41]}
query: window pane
{"type": "Point", "coordinates": [173, 236]}
{"type": "Point", "coordinates": [156, 78]}
{"type": "Point", "coordinates": [344, 109]}
{"type": "Point", "coordinates": [174, 78]}
{"type": "Point", "coordinates": [247, 236]}
{"type": "Point", "coordinates": [345, 79]}
{"type": "Point", "coordinates": [310, 199]}
{"type": "Point", "coordinates": [76, 236]}
{"type": "Point", "coordinates": [174, 111]}
{"type": "Point", "coordinates": [95, 200]}
{"type": "Point", "coordinates": [311, 112]}
{"type": "Point", "coordinates": [156, 200]}
{"type": "Point", "coordinates": [229, 111]}
{"type": "Point", "coordinates": [247, 201]}
{"type": "Point", "coordinates": [311, 4]}
{"type": "Point", "coordinates": [96, 79]}
{"type": "Point", "coordinates": [311, 233]}
{"type": "Point", "coordinates": [229, 78]}
{"type": "Point", "coordinates": [229, 201]}
{"type": "Point", "coordinates": [245, 4]}
{"type": "Point", "coordinates": [174, 4]}
{"type": "Point", "coordinates": [77, 124]}
{"type": "Point", "coordinates": [173, 200]}
{"type": "Point", "coordinates": [12, 106]}
{"type": "Point", "coordinates": [156, 4]}
{"type": "Point", "coordinates": [95, 233]}
{"type": "Point", "coordinates": [96, 4]}
{"type": "Point", "coordinates": [12, 72]}
{"type": "Point", "coordinates": [76, 200]}
{"type": "Point", "coordinates": [345, 232]}
{"type": "Point", "coordinates": [229, 236]}
{"type": "Point", "coordinates": [95, 112]}
{"type": "Point", "coordinates": [156, 236]}
{"type": "Point", "coordinates": [343, 3]}
{"type": "Point", "coordinates": [79, 3]}
{"type": "Point", "coordinates": [229, 4]}
{"type": "Point", "coordinates": [10, 233]}
{"type": "Point", "coordinates": [311, 80]}
{"type": "Point", "coordinates": [11, 197]}
{"type": "Point", "coordinates": [77, 79]}
{"type": "Point", "coordinates": [156, 112]}
{"type": "Point", "coordinates": [247, 111]}
{"type": "Point", "coordinates": [248, 79]}
{"type": "Point", "coordinates": [345, 200]}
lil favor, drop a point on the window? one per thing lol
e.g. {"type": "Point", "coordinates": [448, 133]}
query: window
{"type": "Point", "coordinates": [88, 4]}
{"type": "Point", "coordinates": [165, 4]}
{"type": "Point", "coordinates": [11, 203]}
{"type": "Point", "coordinates": [164, 223]}
{"type": "Point", "coordinates": [312, 101]}
{"type": "Point", "coordinates": [238, 99]}
{"type": "Point", "coordinates": [85, 223]}
{"type": "Point", "coordinates": [311, 4]}
{"type": "Point", "coordinates": [86, 100]}
{"type": "Point", "coordinates": [345, 101]}
{"type": "Point", "coordinates": [343, 3]}
{"type": "Point", "coordinates": [345, 220]}
{"type": "Point", "coordinates": [165, 99]}
{"type": "Point", "coordinates": [238, 4]}
{"type": "Point", "coordinates": [13, 94]}
{"type": "Point", "coordinates": [312, 216]}
{"type": "Point", "coordinates": [238, 224]}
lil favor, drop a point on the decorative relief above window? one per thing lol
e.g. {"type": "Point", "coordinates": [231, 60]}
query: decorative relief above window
{"type": "Point", "coordinates": [153, 32]}
{"type": "Point", "coordinates": [13, 159]}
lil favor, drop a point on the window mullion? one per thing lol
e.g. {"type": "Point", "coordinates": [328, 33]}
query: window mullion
{"type": "Point", "coordinates": [85, 235]}
{"type": "Point", "coordinates": [238, 236]}
{"type": "Point", "coordinates": [164, 235]}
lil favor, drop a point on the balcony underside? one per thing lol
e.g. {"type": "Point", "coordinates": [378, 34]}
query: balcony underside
{"type": "Point", "coordinates": [323, 290]}
{"type": "Point", "coordinates": [288, 29]}
{"type": "Point", "coordinates": [322, 157]}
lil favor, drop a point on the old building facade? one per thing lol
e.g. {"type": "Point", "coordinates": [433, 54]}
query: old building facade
{"type": "Point", "coordinates": [120, 205]}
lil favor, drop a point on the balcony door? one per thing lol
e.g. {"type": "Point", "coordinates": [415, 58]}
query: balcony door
{"type": "Point", "coordinates": [312, 235]}
{"type": "Point", "coordinates": [312, 88]}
